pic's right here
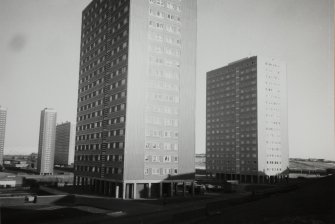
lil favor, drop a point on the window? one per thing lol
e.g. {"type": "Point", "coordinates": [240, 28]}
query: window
{"type": "Point", "coordinates": [155, 159]}
{"type": "Point", "coordinates": [155, 171]}
{"type": "Point", "coordinates": [146, 171]}
{"type": "Point", "coordinates": [146, 158]}
{"type": "Point", "coordinates": [167, 159]}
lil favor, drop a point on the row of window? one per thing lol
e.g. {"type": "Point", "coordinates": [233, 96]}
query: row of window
{"type": "Point", "coordinates": [91, 95]}
{"type": "Point", "coordinates": [161, 145]}
{"type": "Point", "coordinates": [166, 27]}
{"type": "Point", "coordinates": [119, 25]}
{"type": "Point", "coordinates": [113, 170]}
{"type": "Point", "coordinates": [163, 97]}
{"type": "Point", "coordinates": [117, 96]}
{"type": "Point", "coordinates": [115, 120]}
{"type": "Point", "coordinates": [164, 61]}
{"type": "Point", "coordinates": [96, 169]}
{"type": "Point", "coordinates": [120, 47]}
{"type": "Point", "coordinates": [111, 145]}
{"type": "Point", "coordinates": [230, 72]}
{"type": "Point", "coordinates": [222, 168]}
{"type": "Point", "coordinates": [273, 162]}
{"type": "Point", "coordinates": [94, 54]}
{"type": "Point", "coordinates": [159, 73]}
{"type": "Point", "coordinates": [119, 132]}
{"type": "Point", "coordinates": [117, 108]}
{"type": "Point", "coordinates": [242, 123]}
{"type": "Point", "coordinates": [172, 40]}
{"type": "Point", "coordinates": [162, 109]}
{"type": "Point", "coordinates": [88, 147]}
{"type": "Point", "coordinates": [159, 158]}
{"type": "Point", "coordinates": [94, 158]}
{"type": "Point", "coordinates": [91, 105]}
{"type": "Point", "coordinates": [164, 15]}
{"type": "Point", "coordinates": [165, 50]}
{"type": "Point", "coordinates": [273, 169]}
{"type": "Point", "coordinates": [90, 115]}
{"type": "Point", "coordinates": [114, 145]}
{"type": "Point", "coordinates": [89, 136]}
{"type": "Point", "coordinates": [160, 171]}
{"type": "Point", "coordinates": [118, 72]}
{"type": "Point", "coordinates": [89, 77]}
{"type": "Point", "coordinates": [159, 133]}
{"type": "Point", "coordinates": [93, 64]}
{"type": "Point", "coordinates": [163, 85]}
{"type": "Point", "coordinates": [161, 121]}
{"type": "Point", "coordinates": [118, 60]}
{"type": "Point", "coordinates": [117, 84]}
{"type": "Point", "coordinates": [89, 126]}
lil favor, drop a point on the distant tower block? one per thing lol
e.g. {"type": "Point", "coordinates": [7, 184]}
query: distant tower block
{"type": "Point", "coordinates": [46, 145]}
{"type": "Point", "coordinates": [3, 116]}
{"type": "Point", "coordinates": [65, 143]}
{"type": "Point", "coordinates": [246, 120]}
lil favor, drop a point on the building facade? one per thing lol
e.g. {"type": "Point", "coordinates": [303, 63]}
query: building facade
{"type": "Point", "coordinates": [246, 120]}
{"type": "Point", "coordinates": [3, 116]}
{"type": "Point", "coordinates": [46, 143]}
{"type": "Point", "coordinates": [135, 121]}
{"type": "Point", "coordinates": [65, 143]}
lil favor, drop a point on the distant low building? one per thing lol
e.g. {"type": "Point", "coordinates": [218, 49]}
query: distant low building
{"type": "Point", "coordinates": [7, 182]}
{"type": "Point", "coordinates": [16, 163]}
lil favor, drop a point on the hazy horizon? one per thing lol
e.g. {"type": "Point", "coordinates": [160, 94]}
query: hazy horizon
{"type": "Point", "coordinates": [40, 50]}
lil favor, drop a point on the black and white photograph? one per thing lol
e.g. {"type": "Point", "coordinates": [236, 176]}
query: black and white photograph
{"type": "Point", "coordinates": [167, 111]}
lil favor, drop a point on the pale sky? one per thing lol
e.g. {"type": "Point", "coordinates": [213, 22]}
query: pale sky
{"type": "Point", "coordinates": [39, 56]}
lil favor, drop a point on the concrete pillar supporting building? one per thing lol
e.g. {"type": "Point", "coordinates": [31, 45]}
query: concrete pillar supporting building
{"type": "Point", "coordinates": [135, 191]}
{"type": "Point", "coordinates": [149, 190]}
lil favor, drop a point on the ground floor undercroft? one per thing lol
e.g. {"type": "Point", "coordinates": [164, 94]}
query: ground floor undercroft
{"type": "Point", "coordinates": [135, 189]}
{"type": "Point", "coordinates": [250, 178]}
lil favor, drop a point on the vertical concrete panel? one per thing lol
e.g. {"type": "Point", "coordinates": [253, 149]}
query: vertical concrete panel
{"type": "Point", "coordinates": [284, 117]}
{"type": "Point", "coordinates": [187, 88]}
{"type": "Point", "coordinates": [261, 146]}
{"type": "Point", "coordinates": [137, 68]}
{"type": "Point", "coordinates": [275, 68]}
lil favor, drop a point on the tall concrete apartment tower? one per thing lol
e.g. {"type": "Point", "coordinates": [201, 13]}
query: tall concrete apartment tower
{"type": "Point", "coordinates": [136, 121]}
{"type": "Point", "coordinates": [65, 143]}
{"type": "Point", "coordinates": [3, 116]}
{"type": "Point", "coordinates": [46, 144]}
{"type": "Point", "coordinates": [247, 136]}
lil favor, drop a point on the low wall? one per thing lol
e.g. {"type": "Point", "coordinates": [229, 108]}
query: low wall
{"type": "Point", "coordinates": [41, 200]}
